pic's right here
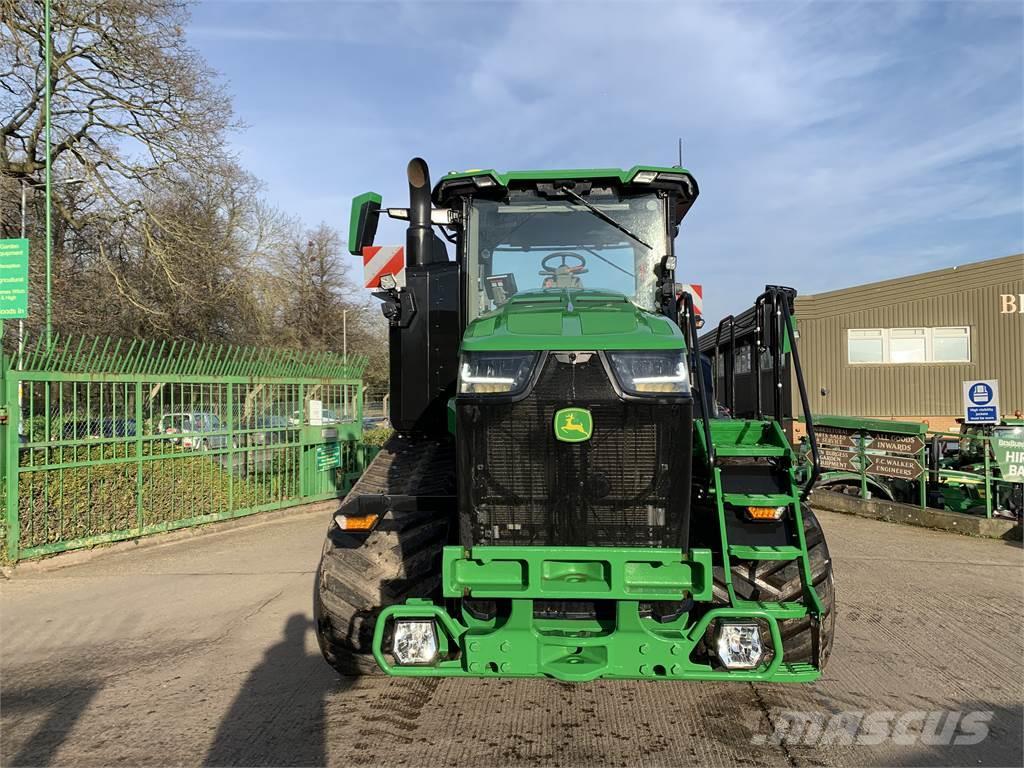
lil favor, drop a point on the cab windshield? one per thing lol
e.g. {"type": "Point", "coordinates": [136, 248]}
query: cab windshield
{"type": "Point", "coordinates": [532, 242]}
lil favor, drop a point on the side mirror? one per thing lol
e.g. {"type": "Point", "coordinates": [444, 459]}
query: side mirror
{"type": "Point", "coordinates": [362, 224]}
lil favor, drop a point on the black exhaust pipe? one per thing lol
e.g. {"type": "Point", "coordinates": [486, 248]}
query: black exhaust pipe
{"type": "Point", "coordinates": [419, 237]}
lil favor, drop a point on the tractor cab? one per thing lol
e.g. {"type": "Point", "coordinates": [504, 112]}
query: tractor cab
{"type": "Point", "coordinates": [537, 231]}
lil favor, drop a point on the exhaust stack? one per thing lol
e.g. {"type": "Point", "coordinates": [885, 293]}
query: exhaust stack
{"type": "Point", "coordinates": [425, 335]}
{"type": "Point", "coordinates": [419, 237]}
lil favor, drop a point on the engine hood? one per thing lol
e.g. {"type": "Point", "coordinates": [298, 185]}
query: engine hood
{"type": "Point", "coordinates": [570, 319]}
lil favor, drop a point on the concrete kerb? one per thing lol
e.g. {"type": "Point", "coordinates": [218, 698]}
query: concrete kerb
{"type": "Point", "coordinates": [74, 557]}
{"type": "Point", "coordinates": [908, 514]}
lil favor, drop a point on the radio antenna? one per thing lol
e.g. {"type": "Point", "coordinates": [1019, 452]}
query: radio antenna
{"type": "Point", "coordinates": [680, 152]}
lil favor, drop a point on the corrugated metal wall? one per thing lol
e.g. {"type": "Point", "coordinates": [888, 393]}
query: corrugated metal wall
{"type": "Point", "coordinates": [968, 295]}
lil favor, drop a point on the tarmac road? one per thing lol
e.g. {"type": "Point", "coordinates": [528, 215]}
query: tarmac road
{"type": "Point", "coordinates": [201, 651]}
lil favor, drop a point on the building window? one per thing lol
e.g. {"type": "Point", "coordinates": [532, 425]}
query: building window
{"type": "Point", "coordinates": [908, 345]}
{"type": "Point", "coordinates": [865, 345]}
{"type": "Point", "coordinates": [899, 346]}
{"type": "Point", "coordinates": [951, 345]}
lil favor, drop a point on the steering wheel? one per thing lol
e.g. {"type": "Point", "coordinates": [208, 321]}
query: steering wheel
{"type": "Point", "coordinates": [579, 269]}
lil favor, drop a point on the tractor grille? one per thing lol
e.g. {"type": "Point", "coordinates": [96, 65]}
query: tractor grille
{"type": "Point", "coordinates": [629, 485]}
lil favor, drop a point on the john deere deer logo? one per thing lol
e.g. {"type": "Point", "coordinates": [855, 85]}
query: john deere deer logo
{"type": "Point", "coordinates": [573, 425]}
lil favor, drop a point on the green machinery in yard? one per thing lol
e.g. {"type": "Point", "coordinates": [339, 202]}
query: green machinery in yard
{"type": "Point", "coordinates": [905, 462]}
{"type": "Point", "coordinates": [560, 498]}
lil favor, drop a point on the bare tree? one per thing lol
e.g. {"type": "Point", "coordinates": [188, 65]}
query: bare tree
{"type": "Point", "coordinates": [130, 99]}
{"type": "Point", "coordinates": [168, 237]}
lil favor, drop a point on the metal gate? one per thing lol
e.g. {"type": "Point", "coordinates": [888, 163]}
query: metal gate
{"type": "Point", "coordinates": [103, 440]}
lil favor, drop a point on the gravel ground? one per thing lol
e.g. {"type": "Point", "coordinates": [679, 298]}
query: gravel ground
{"type": "Point", "coordinates": [201, 651]}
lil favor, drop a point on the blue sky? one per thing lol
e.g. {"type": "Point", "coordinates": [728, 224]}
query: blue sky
{"type": "Point", "coordinates": [834, 143]}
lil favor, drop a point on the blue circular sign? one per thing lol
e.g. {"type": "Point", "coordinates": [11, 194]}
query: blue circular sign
{"type": "Point", "coordinates": [980, 393]}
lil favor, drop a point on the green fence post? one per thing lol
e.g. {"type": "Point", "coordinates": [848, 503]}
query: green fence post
{"type": "Point", "coordinates": [985, 443]}
{"type": "Point", "coordinates": [9, 458]}
{"type": "Point", "coordinates": [863, 461]}
{"type": "Point", "coordinates": [303, 473]}
{"type": "Point", "coordinates": [922, 479]}
{"type": "Point", "coordinates": [231, 449]}
{"type": "Point", "coordinates": [360, 452]}
{"type": "Point", "coordinates": [140, 486]}
{"type": "Point", "coordinates": [359, 407]}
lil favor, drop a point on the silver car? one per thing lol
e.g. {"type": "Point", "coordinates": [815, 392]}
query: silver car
{"type": "Point", "coordinates": [194, 430]}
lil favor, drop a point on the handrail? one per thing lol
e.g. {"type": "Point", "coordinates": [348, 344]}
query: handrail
{"type": "Point", "coordinates": [755, 355]}
{"type": "Point", "coordinates": [787, 319]}
{"type": "Point", "coordinates": [731, 390]}
{"type": "Point", "coordinates": [767, 334]}
{"type": "Point", "coordinates": [777, 354]}
{"type": "Point", "coordinates": [697, 373]}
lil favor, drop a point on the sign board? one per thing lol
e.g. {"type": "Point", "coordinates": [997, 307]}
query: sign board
{"type": "Point", "coordinates": [380, 260]}
{"type": "Point", "coordinates": [893, 442]}
{"type": "Point", "coordinates": [890, 442]}
{"type": "Point", "coordinates": [696, 290]}
{"type": "Point", "coordinates": [13, 278]}
{"type": "Point", "coordinates": [315, 413]}
{"type": "Point", "coordinates": [844, 461]}
{"type": "Point", "coordinates": [981, 402]}
{"type": "Point", "coordinates": [843, 438]}
{"type": "Point", "coordinates": [328, 456]}
{"type": "Point", "coordinates": [902, 467]}
{"type": "Point", "coordinates": [1009, 451]}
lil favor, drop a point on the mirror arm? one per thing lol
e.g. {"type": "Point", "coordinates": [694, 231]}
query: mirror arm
{"type": "Point", "coordinates": [443, 216]}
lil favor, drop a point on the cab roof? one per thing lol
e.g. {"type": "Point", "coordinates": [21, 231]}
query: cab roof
{"type": "Point", "coordinates": [636, 179]}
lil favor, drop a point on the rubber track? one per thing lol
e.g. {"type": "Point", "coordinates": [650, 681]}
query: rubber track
{"type": "Point", "coordinates": [779, 581]}
{"type": "Point", "coordinates": [361, 574]}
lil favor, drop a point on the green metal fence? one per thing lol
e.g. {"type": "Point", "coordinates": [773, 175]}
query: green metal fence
{"type": "Point", "coordinates": [106, 440]}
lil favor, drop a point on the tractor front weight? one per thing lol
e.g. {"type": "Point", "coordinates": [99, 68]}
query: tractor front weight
{"type": "Point", "coordinates": [626, 645]}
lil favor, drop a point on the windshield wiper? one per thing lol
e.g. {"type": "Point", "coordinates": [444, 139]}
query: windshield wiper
{"type": "Point", "coordinates": [609, 262]}
{"type": "Point", "coordinates": [602, 215]}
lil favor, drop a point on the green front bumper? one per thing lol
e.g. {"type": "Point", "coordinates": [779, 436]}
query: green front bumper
{"type": "Point", "coordinates": [630, 647]}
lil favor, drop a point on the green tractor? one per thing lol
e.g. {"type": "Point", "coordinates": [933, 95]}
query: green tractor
{"type": "Point", "coordinates": [561, 498]}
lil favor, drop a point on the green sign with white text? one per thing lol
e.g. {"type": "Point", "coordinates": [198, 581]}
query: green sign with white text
{"type": "Point", "coordinates": [328, 456]}
{"type": "Point", "coordinates": [13, 278]}
{"type": "Point", "coordinates": [1009, 451]}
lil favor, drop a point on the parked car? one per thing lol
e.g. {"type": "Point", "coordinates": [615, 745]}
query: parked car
{"type": "Point", "coordinates": [195, 430]}
{"type": "Point", "coordinates": [265, 430]}
{"type": "Point", "coordinates": [97, 428]}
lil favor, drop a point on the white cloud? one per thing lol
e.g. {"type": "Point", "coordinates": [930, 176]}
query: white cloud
{"type": "Point", "coordinates": [814, 131]}
{"type": "Point", "coordinates": [834, 143]}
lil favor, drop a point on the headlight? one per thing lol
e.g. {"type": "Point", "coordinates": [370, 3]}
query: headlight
{"type": "Point", "coordinates": [495, 373]}
{"type": "Point", "coordinates": [661, 372]}
{"type": "Point", "coordinates": [739, 645]}
{"type": "Point", "coordinates": [415, 642]}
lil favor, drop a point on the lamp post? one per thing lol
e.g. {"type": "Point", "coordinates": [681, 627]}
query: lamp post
{"type": "Point", "coordinates": [21, 323]}
{"type": "Point", "coordinates": [21, 320]}
{"type": "Point", "coordinates": [344, 354]}
{"type": "Point", "coordinates": [49, 233]}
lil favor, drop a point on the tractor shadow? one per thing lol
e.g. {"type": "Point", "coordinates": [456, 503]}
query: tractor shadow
{"type": "Point", "coordinates": [279, 715]}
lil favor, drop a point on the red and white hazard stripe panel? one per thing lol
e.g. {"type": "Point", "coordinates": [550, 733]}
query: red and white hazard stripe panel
{"type": "Point", "coordinates": [697, 291]}
{"type": "Point", "coordinates": [381, 260]}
